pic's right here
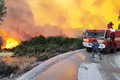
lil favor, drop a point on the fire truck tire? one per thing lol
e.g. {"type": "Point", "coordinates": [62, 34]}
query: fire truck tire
{"type": "Point", "coordinates": [115, 48]}
{"type": "Point", "coordinates": [107, 49]}
{"type": "Point", "coordinates": [118, 49]}
{"type": "Point", "coordinates": [89, 49]}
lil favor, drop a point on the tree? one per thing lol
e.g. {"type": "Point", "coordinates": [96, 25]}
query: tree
{"type": "Point", "coordinates": [3, 10]}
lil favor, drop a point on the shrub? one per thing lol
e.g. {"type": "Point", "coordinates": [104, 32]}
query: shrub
{"type": "Point", "coordinates": [48, 47]}
{"type": "Point", "coordinates": [43, 56]}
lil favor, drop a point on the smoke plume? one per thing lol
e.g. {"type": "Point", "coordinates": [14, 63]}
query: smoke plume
{"type": "Point", "coordinates": [30, 18]}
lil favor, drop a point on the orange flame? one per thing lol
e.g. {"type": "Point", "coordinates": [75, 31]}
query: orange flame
{"type": "Point", "coordinates": [8, 42]}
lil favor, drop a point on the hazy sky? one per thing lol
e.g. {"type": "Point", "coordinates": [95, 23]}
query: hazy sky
{"type": "Point", "coordinates": [29, 18]}
{"type": "Point", "coordinates": [75, 13]}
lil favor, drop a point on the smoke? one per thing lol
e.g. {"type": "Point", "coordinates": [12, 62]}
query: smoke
{"type": "Point", "coordinates": [30, 18]}
{"type": "Point", "coordinates": [20, 24]}
{"type": "Point", "coordinates": [82, 14]}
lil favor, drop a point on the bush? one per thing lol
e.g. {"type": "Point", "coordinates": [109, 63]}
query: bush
{"type": "Point", "coordinates": [48, 47]}
{"type": "Point", "coordinates": [43, 56]}
{"type": "Point", "coordinates": [54, 40]}
{"type": "Point", "coordinates": [37, 40]}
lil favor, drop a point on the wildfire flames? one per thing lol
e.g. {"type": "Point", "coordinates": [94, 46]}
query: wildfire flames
{"type": "Point", "coordinates": [8, 42]}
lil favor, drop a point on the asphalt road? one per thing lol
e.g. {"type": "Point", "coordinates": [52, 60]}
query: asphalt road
{"type": "Point", "coordinates": [80, 66]}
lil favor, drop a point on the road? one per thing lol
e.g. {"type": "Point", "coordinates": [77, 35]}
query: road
{"type": "Point", "coordinates": [80, 66]}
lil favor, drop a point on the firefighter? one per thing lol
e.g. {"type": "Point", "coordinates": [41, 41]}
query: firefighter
{"type": "Point", "coordinates": [110, 25]}
{"type": "Point", "coordinates": [95, 48]}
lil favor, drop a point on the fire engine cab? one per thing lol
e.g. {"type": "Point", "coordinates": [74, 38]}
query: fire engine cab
{"type": "Point", "coordinates": [109, 40]}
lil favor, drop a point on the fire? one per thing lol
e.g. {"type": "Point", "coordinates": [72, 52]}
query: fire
{"type": "Point", "coordinates": [8, 42]}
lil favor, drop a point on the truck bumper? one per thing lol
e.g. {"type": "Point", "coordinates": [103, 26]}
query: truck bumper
{"type": "Point", "coordinates": [89, 45]}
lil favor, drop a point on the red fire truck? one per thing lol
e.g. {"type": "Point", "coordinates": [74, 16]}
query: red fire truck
{"type": "Point", "coordinates": [109, 40]}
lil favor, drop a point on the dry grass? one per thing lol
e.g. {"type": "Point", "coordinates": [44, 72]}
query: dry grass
{"type": "Point", "coordinates": [22, 62]}
{"type": "Point", "coordinates": [4, 54]}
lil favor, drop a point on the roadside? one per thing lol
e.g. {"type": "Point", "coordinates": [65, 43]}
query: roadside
{"type": "Point", "coordinates": [23, 64]}
{"type": "Point", "coordinates": [31, 75]}
{"type": "Point", "coordinates": [78, 66]}
{"type": "Point", "coordinates": [75, 65]}
{"type": "Point", "coordinates": [13, 66]}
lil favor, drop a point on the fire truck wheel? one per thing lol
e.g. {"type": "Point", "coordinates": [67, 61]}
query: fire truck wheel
{"type": "Point", "coordinates": [115, 48]}
{"type": "Point", "coordinates": [107, 49]}
{"type": "Point", "coordinates": [89, 49]}
{"type": "Point", "coordinates": [118, 49]}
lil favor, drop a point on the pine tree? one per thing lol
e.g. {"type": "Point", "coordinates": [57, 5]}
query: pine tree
{"type": "Point", "coordinates": [3, 10]}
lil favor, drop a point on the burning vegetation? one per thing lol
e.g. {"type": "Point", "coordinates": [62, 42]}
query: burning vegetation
{"type": "Point", "coordinates": [7, 42]}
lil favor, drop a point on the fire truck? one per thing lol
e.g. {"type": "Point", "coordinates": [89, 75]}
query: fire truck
{"type": "Point", "coordinates": [109, 40]}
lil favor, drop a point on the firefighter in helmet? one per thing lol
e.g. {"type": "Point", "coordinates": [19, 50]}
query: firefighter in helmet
{"type": "Point", "coordinates": [110, 25]}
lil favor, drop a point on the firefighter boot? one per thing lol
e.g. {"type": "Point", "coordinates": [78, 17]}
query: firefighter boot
{"type": "Point", "coordinates": [93, 55]}
{"type": "Point", "coordinates": [100, 56]}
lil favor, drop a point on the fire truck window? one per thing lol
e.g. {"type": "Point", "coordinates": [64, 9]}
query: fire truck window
{"type": "Point", "coordinates": [94, 34]}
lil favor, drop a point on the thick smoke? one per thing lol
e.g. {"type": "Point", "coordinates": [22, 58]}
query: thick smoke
{"type": "Point", "coordinates": [29, 18]}
{"type": "Point", "coordinates": [81, 14]}
{"type": "Point", "coordinates": [20, 23]}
